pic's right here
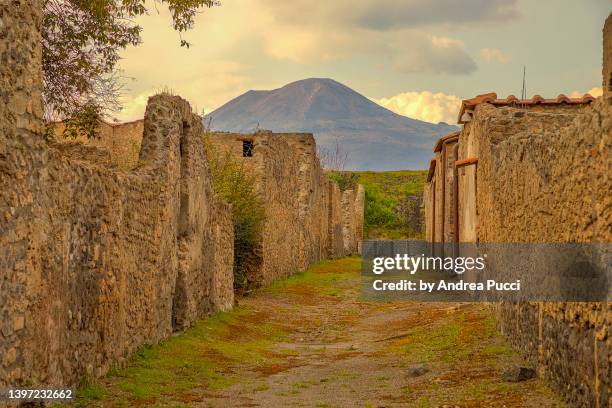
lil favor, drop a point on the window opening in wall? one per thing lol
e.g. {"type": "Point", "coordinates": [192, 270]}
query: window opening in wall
{"type": "Point", "coordinates": [247, 148]}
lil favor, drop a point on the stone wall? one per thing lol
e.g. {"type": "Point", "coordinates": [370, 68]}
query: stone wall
{"type": "Point", "coordinates": [96, 261]}
{"type": "Point", "coordinates": [607, 60]}
{"type": "Point", "coordinates": [527, 174]}
{"type": "Point", "coordinates": [308, 218]}
{"type": "Point", "coordinates": [541, 173]}
{"type": "Point", "coordinates": [122, 141]}
{"type": "Point", "coordinates": [335, 232]}
{"type": "Point", "coordinates": [540, 176]}
{"type": "Point", "coordinates": [545, 178]}
{"type": "Point", "coordinates": [439, 193]}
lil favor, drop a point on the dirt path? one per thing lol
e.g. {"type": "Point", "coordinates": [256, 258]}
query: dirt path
{"type": "Point", "coordinates": [309, 341]}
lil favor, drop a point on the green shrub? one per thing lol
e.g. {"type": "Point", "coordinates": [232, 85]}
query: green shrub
{"type": "Point", "coordinates": [393, 201]}
{"type": "Point", "coordinates": [346, 180]}
{"type": "Point", "coordinates": [233, 182]}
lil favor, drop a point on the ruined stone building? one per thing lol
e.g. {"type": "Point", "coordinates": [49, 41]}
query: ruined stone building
{"type": "Point", "coordinates": [117, 243]}
{"type": "Point", "coordinates": [120, 142]}
{"type": "Point", "coordinates": [308, 217]}
{"type": "Point", "coordinates": [536, 170]}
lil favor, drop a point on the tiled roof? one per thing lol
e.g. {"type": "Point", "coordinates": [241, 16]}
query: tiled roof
{"type": "Point", "coordinates": [470, 104]}
{"type": "Point", "coordinates": [438, 145]}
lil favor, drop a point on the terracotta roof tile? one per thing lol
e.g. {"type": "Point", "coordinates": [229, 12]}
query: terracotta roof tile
{"type": "Point", "coordinates": [491, 97]}
{"type": "Point", "coordinates": [438, 145]}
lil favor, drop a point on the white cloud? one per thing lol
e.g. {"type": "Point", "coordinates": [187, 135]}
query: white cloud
{"type": "Point", "coordinates": [425, 105]}
{"type": "Point", "coordinates": [434, 54]}
{"type": "Point", "coordinates": [494, 55]}
{"type": "Point", "coordinates": [596, 92]}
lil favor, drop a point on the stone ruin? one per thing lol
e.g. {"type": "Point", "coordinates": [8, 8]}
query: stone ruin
{"type": "Point", "coordinates": [536, 170]}
{"type": "Point", "coordinates": [308, 217]}
{"type": "Point", "coordinates": [101, 255]}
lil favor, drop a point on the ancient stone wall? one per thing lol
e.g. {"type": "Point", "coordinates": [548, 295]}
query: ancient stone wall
{"type": "Point", "coordinates": [121, 140]}
{"type": "Point", "coordinates": [308, 218]}
{"type": "Point", "coordinates": [96, 261]}
{"type": "Point", "coordinates": [335, 237]}
{"type": "Point", "coordinates": [358, 216]}
{"type": "Point", "coordinates": [541, 176]}
{"type": "Point", "coordinates": [439, 193]}
{"type": "Point", "coordinates": [607, 60]}
{"type": "Point", "coordinates": [541, 173]}
{"type": "Point", "coordinates": [545, 178]}
{"type": "Point", "coordinates": [352, 204]}
{"type": "Point", "coordinates": [529, 175]}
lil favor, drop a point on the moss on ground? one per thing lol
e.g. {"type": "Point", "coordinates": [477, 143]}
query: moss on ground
{"type": "Point", "coordinates": [295, 323]}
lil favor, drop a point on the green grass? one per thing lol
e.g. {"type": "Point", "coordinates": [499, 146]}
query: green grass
{"type": "Point", "coordinates": [196, 358]}
{"type": "Point", "coordinates": [92, 392]}
{"type": "Point", "coordinates": [393, 207]}
{"type": "Point", "coordinates": [203, 356]}
{"type": "Point", "coordinates": [328, 278]}
{"type": "Point", "coordinates": [450, 339]}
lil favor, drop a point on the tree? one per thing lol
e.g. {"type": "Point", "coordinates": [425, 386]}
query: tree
{"type": "Point", "coordinates": [334, 158]}
{"type": "Point", "coordinates": [334, 161]}
{"type": "Point", "coordinates": [81, 40]}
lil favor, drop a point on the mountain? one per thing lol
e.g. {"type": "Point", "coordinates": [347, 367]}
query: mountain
{"type": "Point", "coordinates": [374, 137]}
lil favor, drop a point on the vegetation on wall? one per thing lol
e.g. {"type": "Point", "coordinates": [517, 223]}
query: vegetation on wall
{"type": "Point", "coordinates": [236, 185]}
{"type": "Point", "coordinates": [393, 201]}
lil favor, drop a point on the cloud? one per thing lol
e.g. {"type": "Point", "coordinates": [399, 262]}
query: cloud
{"type": "Point", "coordinates": [306, 46]}
{"type": "Point", "coordinates": [237, 43]}
{"type": "Point", "coordinates": [425, 105]}
{"type": "Point", "coordinates": [596, 92]}
{"type": "Point", "coordinates": [393, 14]}
{"type": "Point", "coordinates": [206, 86]}
{"type": "Point", "coordinates": [494, 55]}
{"type": "Point", "coordinates": [207, 74]}
{"type": "Point", "coordinates": [435, 54]}
{"type": "Point", "coordinates": [400, 29]}
{"type": "Point", "coordinates": [387, 14]}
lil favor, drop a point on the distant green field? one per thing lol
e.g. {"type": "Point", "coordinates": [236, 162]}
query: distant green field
{"type": "Point", "coordinates": [394, 201]}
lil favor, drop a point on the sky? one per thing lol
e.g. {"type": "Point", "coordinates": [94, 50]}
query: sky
{"type": "Point", "coordinates": [419, 58]}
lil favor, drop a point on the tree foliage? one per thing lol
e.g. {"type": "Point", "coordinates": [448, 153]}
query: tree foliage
{"type": "Point", "coordinates": [81, 41]}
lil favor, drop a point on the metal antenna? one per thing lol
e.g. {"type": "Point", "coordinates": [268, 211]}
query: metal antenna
{"type": "Point", "coordinates": [524, 90]}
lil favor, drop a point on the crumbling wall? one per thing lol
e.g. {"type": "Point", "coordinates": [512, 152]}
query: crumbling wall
{"type": "Point", "coordinates": [122, 141]}
{"type": "Point", "coordinates": [545, 177]}
{"type": "Point", "coordinates": [306, 213]}
{"type": "Point", "coordinates": [541, 173]}
{"type": "Point", "coordinates": [335, 238]}
{"type": "Point", "coordinates": [439, 193]}
{"type": "Point", "coordinates": [358, 216]}
{"type": "Point", "coordinates": [95, 261]}
{"type": "Point", "coordinates": [607, 60]}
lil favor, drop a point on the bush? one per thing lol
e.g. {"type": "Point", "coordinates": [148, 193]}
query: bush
{"type": "Point", "coordinates": [393, 201]}
{"type": "Point", "coordinates": [233, 182]}
{"type": "Point", "coordinates": [346, 180]}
